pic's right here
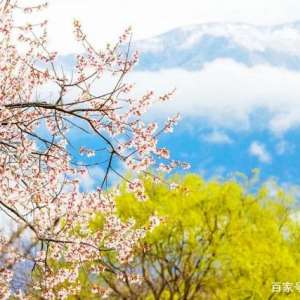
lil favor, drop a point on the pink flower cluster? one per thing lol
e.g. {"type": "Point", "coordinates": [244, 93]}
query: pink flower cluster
{"type": "Point", "coordinates": [39, 184]}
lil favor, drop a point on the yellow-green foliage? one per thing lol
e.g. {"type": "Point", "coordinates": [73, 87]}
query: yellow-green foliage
{"type": "Point", "coordinates": [216, 240]}
{"type": "Point", "coordinates": [236, 244]}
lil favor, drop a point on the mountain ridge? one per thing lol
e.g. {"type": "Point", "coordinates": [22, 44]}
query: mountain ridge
{"type": "Point", "coordinates": [191, 47]}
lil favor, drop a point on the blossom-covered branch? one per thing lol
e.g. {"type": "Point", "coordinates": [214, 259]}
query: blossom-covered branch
{"type": "Point", "coordinates": [41, 107]}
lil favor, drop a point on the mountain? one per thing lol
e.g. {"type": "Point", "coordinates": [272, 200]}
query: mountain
{"type": "Point", "coordinates": [192, 47]}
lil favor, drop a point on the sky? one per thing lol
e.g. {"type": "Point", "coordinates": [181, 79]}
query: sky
{"type": "Point", "coordinates": [236, 117]}
{"type": "Point", "coordinates": [105, 20]}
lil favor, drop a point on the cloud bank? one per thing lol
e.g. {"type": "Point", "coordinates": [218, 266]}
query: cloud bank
{"type": "Point", "coordinates": [229, 95]}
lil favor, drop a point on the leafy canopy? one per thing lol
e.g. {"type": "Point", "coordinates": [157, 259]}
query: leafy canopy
{"type": "Point", "coordinates": [216, 240]}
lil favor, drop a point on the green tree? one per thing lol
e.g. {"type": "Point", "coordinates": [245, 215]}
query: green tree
{"type": "Point", "coordinates": [215, 241]}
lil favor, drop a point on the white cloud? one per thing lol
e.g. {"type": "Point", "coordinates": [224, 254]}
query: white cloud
{"type": "Point", "coordinates": [217, 137]}
{"type": "Point", "coordinates": [104, 20]}
{"type": "Point", "coordinates": [259, 150]}
{"type": "Point", "coordinates": [228, 94]}
{"type": "Point", "coordinates": [224, 94]}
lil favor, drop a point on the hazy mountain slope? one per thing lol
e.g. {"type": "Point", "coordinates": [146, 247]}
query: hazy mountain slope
{"type": "Point", "coordinates": [193, 46]}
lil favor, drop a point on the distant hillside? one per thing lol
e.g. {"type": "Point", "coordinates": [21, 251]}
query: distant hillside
{"type": "Point", "coordinates": [193, 46]}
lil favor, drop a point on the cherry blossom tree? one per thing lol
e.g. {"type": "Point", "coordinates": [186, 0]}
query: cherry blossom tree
{"type": "Point", "coordinates": [40, 179]}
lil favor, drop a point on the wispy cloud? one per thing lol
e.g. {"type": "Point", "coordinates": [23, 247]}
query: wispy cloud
{"type": "Point", "coordinates": [259, 150]}
{"type": "Point", "coordinates": [285, 121]}
{"type": "Point", "coordinates": [217, 137]}
{"type": "Point", "coordinates": [284, 147]}
{"type": "Point", "coordinates": [91, 179]}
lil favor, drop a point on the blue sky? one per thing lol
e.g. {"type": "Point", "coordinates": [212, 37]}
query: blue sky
{"type": "Point", "coordinates": [229, 151]}
{"type": "Point", "coordinates": [237, 77]}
